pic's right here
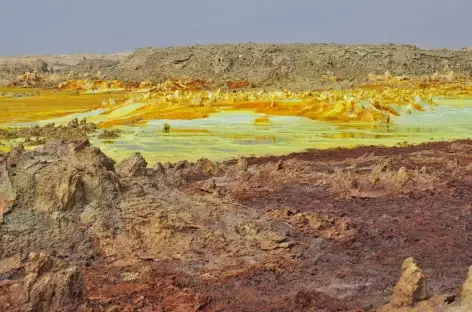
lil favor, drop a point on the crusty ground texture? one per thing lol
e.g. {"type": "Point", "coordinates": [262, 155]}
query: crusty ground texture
{"type": "Point", "coordinates": [291, 66]}
{"type": "Point", "coordinates": [313, 231]}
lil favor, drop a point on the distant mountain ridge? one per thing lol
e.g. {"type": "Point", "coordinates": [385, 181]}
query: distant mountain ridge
{"type": "Point", "coordinates": [294, 66]}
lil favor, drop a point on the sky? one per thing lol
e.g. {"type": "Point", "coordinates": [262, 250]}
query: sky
{"type": "Point", "coordinates": [105, 26]}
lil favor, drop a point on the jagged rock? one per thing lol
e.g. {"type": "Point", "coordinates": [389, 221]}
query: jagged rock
{"type": "Point", "coordinates": [166, 128]}
{"type": "Point", "coordinates": [41, 66]}
{"type": "Point", "coordinates": [410, 294]}
{"type": "Point", "coordinates": [379, 168]}
{"type": "Point", "coordinates": [7, 194]}
{"type": "Point", "coordinates": [317, 224]}
{"type": "Point", "coordinates": [87, 176]}
{"type": "Point", "coordinates": [53, 285]}
{"type": "Point", "coordinates": [210, 186]}
{"type": "Point", "coordinates": [52, 185]}
{"type": "Point", "coordinates": [466, 294]}
{"type": "Point", "coordinates": [48, 285]}
{"type": "Point", "coordinates": [411, 287]}
{"type": "Point", "coordinates": [242, 164]}
{"type": "Point", "coordinates": [159, 169]}
{"type": "Point", "coordinates": [403, 175]}
{"type": "Point", "coordinates": [206, 165]}
{"type": "Point", "coordinates": [133, 166]}
{"type": "Point", "coordinates": [10, 265]}
{"type": "Point", "coordinates": [181, 165]}
{"type": "Point", "coordinates": [14, 155]}
{"type": "Point", "coordinates": [5, 206]}
{"type": "Point", "coordinates": [459, 147]}
{"type": "Point", "coordinates": [74, 123]}
{"type": "Point", "coordinates": [279, 165]}
{"type": "Point", "coordinates": [109, 134]}
{"type": "Point", "coordinates": [90, 126]}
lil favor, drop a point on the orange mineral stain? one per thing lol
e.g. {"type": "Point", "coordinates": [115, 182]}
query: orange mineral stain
{"type": "Point", "coordinates": [381, 97]}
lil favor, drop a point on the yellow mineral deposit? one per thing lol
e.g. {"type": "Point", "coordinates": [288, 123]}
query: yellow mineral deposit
{"type": "Point", "coordinates": [93, 86]}
{"type": "Point", "coordinates": [48, 104]}
{"type": "Point", "coordinates": [262, 121]}
{"type": "Point", "coordinates": [378, 100]}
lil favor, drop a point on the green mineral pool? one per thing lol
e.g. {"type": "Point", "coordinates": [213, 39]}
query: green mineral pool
{"type": "Point", "coordinates": [229, 134]}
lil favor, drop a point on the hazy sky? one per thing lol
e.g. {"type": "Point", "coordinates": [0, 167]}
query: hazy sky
{"type": "Point", "coordinates": [65, 26]}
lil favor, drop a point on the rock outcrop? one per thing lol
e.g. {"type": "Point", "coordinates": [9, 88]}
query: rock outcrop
{"type": "Point", "coordinates": [260, 235]}
{"type": "Point", "coordinates": [411, 295]}
{"type": "Point", "coordinates": [411, 287]}
{"type": "Point", "coordinates": [134, 166]}
{"type": "Point", "coordinates": [45, 190]}
{"type": "Point", "coordinates": [41, 283]}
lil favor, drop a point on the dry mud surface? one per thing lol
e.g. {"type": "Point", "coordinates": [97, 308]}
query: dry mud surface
{"type": "Point", "coordinates": [313, 231]}
{"type": "Point", "coordinates": [293, 66]}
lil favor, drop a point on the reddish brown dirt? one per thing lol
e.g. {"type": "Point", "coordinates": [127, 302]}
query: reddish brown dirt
{"type": "Point", "coordinates": [238, 84]}
{"type": "Point", "coordinates": [314, 231]}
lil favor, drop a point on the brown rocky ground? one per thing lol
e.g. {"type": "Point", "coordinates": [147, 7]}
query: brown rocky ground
{"type": "Point", "coordinates": [313, 231]}
{"type": "Point", "coordinates": [292, 66]}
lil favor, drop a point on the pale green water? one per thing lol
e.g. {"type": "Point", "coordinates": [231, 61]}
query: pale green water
{"type": "Point", "coordinates": [231, 134]}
